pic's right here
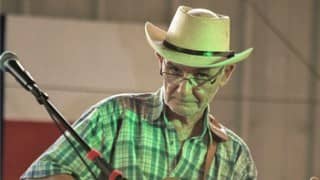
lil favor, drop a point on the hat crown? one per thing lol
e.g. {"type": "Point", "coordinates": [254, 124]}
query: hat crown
{"type": "Point", "coordinates": [199, 29]}
{"type": "Point", "coordinates": [202, 13]}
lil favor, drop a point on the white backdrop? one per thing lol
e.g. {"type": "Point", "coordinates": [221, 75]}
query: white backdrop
{"type": "Point", "coordinates": [77, 63]}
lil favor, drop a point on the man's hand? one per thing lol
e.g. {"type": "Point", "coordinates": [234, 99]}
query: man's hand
{"type": "Point", "coordinates": [57, 177]}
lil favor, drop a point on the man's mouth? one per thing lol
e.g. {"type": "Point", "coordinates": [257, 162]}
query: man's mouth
{"type": "Point", "coordinates": [185, 101]}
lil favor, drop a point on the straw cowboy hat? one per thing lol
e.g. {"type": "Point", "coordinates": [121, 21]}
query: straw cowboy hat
{"type": "Point", "coordinates": [196, 38]}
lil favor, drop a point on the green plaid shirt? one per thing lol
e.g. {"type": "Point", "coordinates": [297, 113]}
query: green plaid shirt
{"type": "Point", "coordinates": [133, 135]}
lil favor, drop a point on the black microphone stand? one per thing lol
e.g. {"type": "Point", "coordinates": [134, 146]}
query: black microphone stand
{"type": "Point", "coordinates": [9, 62]}
{"type": "Point", "coordinates": [107, 172]}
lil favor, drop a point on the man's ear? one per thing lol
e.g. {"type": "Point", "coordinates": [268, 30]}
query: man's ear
{"type": "Point", "coordinates": [227, 72]}
{"type": "Point", "coordinates": [160, 59]}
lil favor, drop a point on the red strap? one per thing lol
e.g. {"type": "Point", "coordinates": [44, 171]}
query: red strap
{"type": "Point", "coordinates": [93, 154]}
{"type": "Point", "coordinates": [114, 174]}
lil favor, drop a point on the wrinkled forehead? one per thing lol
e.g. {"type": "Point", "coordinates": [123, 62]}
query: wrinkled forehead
{"type": "Point", "coordinates": [169, 64]}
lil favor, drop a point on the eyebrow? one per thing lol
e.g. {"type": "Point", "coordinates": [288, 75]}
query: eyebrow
{"type": "Point", "coordinates": [200, 69]}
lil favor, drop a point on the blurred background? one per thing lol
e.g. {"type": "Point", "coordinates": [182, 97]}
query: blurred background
{"type": "Point", "coordinates": [81, 51]}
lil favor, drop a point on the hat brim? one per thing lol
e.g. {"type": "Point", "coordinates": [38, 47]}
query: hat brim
{"type": "Point", "coordinates": [156, 36]}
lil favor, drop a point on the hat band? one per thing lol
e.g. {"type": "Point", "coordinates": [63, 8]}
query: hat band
{"type": "Point", "coordinates": [227, 54]}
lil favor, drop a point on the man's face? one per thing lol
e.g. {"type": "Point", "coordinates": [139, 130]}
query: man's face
{"type": "Point", "coordinates": [190, 93]}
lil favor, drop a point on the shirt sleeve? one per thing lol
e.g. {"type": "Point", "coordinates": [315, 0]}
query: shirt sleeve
{"type": "Point", "coordinates": [248, 168]}
{"type": "Point", "coordinates": [61, 158]}
{"type": "Point", "coordinates": [250, 172]}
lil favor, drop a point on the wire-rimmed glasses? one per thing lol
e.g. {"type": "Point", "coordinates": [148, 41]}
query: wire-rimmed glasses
{"type": "Point", "coordinates": [176, 75]}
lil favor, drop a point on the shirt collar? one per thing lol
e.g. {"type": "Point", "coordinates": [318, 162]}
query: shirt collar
{"type": "Point", "coordinates": [156, 109]}
{"type": "Point", "coordinates": [153, 107]}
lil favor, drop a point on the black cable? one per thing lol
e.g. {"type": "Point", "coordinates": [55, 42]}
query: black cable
{"type": "Point", "coordinates": [69, 140]}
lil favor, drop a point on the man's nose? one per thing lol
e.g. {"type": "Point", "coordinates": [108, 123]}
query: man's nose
{"type": "Point", "coordinates": [186, 85]}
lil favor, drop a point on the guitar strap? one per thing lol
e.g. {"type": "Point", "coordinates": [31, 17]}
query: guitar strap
{"type": "Point", "coordinates": [212, 147]}
{"type": "Point", "coordinates": [219, 135]}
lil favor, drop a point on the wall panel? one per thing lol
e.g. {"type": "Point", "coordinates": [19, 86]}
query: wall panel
{"type": "Point", "coordinates": [268, 100]}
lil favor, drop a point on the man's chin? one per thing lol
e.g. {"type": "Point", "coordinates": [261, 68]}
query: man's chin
{"type": "Point", "coordinates": [184, 111]}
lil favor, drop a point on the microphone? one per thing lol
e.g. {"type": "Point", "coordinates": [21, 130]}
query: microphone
{"type": "Point", "coordinates": [9, 62]}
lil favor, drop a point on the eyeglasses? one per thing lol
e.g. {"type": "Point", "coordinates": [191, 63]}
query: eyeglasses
{"type": "Point", "coordinates": [175, 75]}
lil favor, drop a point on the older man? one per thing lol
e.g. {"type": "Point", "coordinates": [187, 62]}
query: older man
{"type": "Point", "coordinates": [169, 133]}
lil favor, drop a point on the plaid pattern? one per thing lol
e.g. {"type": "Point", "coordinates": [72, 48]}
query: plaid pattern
{"type": "Point", "coordinates": [133, 134]}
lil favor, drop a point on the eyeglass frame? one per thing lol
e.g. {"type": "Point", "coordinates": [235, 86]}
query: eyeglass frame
{"type": "Point", "coordinates": [181, 77]}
